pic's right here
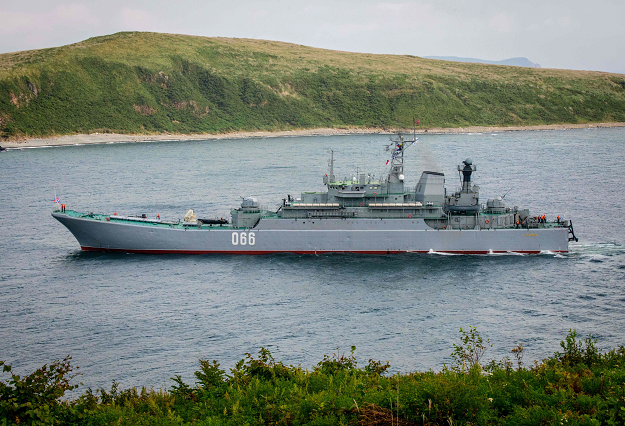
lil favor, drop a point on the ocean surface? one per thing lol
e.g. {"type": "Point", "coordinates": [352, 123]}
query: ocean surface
{"type": "Point", "coordinates": [141, 319]}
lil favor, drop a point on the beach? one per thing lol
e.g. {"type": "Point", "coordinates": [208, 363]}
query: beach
{"type": "Point", "coordinates": [103, 138]}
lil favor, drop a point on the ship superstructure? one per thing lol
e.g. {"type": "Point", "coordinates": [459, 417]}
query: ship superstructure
{"type": "Point", "coordinates": [359, 214]}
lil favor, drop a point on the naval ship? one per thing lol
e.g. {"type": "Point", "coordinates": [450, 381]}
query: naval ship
{"type": "Point", "coordinates": [355, 215]}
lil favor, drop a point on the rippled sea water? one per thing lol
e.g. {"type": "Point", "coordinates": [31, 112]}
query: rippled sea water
{"type": "Point", "coordinates": [140, 319]}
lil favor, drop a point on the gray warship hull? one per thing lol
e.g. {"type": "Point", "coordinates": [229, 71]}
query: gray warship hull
{"type": "Point", "coordinates": [356, 215]}
{"type": "Point", "coordinates": [306, 236]}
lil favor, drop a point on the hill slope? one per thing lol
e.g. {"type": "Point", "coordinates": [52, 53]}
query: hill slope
{"type": "Point", "coordinates": [156, 83]}
{"type": "Point", "coordinates": [517, 62]}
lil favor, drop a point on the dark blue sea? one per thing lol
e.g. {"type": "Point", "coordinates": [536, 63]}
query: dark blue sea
{"type": "Point", "coordinates": [141, 319]}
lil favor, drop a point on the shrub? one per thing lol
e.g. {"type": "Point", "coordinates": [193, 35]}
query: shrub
{"type": "Point", "coordinates": [471, 350]}
{"type": "Point", "coordinates": [578, 351]}
{"type": "Point", "coordinates": [35, 398]}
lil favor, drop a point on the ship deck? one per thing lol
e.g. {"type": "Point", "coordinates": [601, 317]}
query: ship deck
{"type": "Point", "coordinates": [139, 221]}
{"type": "Point", "coordinates": [142, 221]}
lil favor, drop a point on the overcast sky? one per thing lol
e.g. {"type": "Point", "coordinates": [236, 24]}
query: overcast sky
{"type": "Point", "coordinates": [556, 34]}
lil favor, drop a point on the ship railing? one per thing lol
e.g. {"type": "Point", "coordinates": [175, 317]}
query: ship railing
{"type": "Point", "coordinates": [136, 219]}
{"type": "Point", "coordinates": [336, 213]}
{"type": "Point", "coordinates": [394, 205]}
{"type": "Point", "coordinates": [314, 205]}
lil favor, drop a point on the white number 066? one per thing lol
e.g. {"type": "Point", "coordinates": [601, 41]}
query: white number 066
{"type": "Point", "coordinates": [243, 239]}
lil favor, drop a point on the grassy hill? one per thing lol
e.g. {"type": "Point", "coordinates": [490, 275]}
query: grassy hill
{"type": "Point", "coordinates": [157, 83]}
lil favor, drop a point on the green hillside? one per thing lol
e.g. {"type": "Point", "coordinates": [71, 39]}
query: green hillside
{"type": "Point", "coordinates": [157, 83]}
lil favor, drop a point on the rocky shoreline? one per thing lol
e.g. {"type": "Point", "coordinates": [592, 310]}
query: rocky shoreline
{"type": "Point", "coordinates": [104, 138]}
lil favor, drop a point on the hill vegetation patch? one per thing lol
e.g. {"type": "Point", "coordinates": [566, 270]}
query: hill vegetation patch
{"type": "Point", "coordinates": [581, 385]}
{"type": "Point", "coordinates": [150, 83]}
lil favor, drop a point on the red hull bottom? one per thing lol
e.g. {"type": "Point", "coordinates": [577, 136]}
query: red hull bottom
{"type": "Point", "coordinates": [260, 252]}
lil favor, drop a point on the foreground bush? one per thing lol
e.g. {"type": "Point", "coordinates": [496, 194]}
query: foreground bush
{"type": "Point", "coordinates": [35, 398]}
{"type": "Point", "coordinates": [579, 386]}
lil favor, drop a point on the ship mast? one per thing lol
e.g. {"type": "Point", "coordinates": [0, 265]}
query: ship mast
{"type": "Point", "coordinates": [329, 178]}
{"type": "Point", "coordinates": [397, 147]}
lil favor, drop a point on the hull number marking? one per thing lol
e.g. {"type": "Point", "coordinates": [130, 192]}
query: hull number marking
{"type": "Point", "coordinates": [530, 235]}
{"type": "Point", "coordinates": [243, 238]}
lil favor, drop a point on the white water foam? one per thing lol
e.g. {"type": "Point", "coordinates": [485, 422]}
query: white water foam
{"type": "Point", "coordinates": [598, 249]}
{"type": "Point", "coordinates": [508, 253]}
{"type": "Point", "coordinates": [442, 253]}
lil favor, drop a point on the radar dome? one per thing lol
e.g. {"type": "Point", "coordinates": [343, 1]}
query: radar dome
{"type": "Point", "coordinates": [468, 161]}
{"type": "Point", "coordinates": [249, 202]}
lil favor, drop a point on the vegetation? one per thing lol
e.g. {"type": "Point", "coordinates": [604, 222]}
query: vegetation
{"type": "Point", "coordinates": [579, 386]}
{"type": "Point", "coordinates": [158, 83]}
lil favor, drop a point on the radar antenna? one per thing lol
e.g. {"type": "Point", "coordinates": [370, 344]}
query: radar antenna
{"type": "Point", "coordinates": [464, 172]}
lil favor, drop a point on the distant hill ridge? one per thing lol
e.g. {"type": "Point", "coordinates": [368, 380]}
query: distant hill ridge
{"type": "Point", "coordinates": [136, 82]}
{"type": "Point", "coordinates": [517, 62]}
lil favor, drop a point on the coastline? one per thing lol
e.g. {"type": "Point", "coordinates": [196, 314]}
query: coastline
{"type": "Point", "coordinates": [105, 138]}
